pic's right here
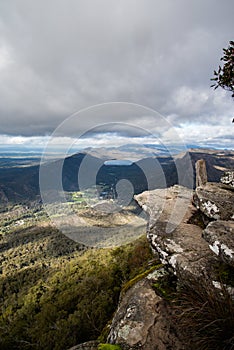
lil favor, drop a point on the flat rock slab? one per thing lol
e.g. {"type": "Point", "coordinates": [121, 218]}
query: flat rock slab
{"type": "Point", "coordinates": [215, 200]}
{"type": "Point", "coordinates": [220, 236]}
{"type": "Point", "coordinates": [143, 319]}
{"type": "Point", "coordinates": [168, 204]}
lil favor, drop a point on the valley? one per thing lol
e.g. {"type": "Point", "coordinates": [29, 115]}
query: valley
{"type": "Point", "coordinates": [64, 263]}
{"type": "Point", "coordinates": [19, 182]}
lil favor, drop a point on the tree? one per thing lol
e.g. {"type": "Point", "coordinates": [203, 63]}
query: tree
{"type": "Point", "coordinates": [224, 76]}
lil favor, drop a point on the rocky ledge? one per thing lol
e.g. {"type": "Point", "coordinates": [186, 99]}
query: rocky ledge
{"type": "Point", "coordinates": [190, 232]}
{"type": "Point", "coordinates": [142, 319]}
{"type": "Point", "coordinates": [220, 236]}
{"type": "Point", "coordinates": [182, 248]}
{"type": "Point", "coordinates": [187, 235]}
{"type": "Point", "coordinates": [215, 200]}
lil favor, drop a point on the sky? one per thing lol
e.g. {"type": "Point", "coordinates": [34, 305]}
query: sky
{"type": "Point", "coordinates": [60, 57]}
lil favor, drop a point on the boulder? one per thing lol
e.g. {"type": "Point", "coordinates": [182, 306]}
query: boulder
{"type": "Point", "coordinates": [143, 321]}
{"type": "Point", "coordinates": [228, 178]}
{"type": "Point", "coordinates": [215, 200]}
{"type": "Point", "coordinates": [220, 236]}
{"type": "Point", "coordinates": [177, 242]}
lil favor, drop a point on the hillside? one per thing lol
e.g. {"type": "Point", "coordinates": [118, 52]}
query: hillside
{"type": "Point", "coordinates": [19, 184]}
{"type": "Point", "coordinates": [54, 292]}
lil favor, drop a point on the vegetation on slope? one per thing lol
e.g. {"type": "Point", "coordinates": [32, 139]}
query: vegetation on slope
{"type": "Point", "coordinates": [54, 294]}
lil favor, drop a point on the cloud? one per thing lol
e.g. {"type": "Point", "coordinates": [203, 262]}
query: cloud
{"type": "Point", "coordinates": [59, 57]}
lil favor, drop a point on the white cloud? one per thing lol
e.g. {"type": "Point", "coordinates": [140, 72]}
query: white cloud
{"type": "Point", "coordinates": [205, 135]}
{"type": "Point", "coordinates": [5, 57]}
{"type": "Point", "coordinates": [187, 99]}
{"type": "Point", "coordinates": [58, 57]}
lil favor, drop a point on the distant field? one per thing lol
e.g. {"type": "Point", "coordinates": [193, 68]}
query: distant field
{"type": "Point", "coordinates": [10, 162]}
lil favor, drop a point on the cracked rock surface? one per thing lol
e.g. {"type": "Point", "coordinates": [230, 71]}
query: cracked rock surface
{"type": "Point", "coordinates": [220, 236]}
{"type": "Point", "coordinates": [228, 178]}
{"type": "Point", "coordinates": [183, 249]}
{"type": "Point", "coordinates": [143, 320]}
{"type": "Point", "coordinates": [215, 200]}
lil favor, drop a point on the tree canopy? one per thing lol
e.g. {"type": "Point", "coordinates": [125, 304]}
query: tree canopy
{"type": "Point", "coordinates": [224, 76]}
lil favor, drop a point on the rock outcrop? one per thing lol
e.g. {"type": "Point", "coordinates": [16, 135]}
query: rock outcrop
{"type": "Point", "coordinates": [181, 248]}
{"type": "Point", "coordinates": [178, 240]}
{"type": "Point", "coordinates": [228, 178]}
{"type": "Point", "coordinates": [215, 200]}
{"type": "Point", "coordinates": [220, 236]}
{"type": "Point", "coordinates": [186, 233]}
{"type": "Point", "coordinates": [190, 232]}
{"type": "Point", "coordinates": [201, 174]}
{"type": "Point", "coordinates": [143, 321]}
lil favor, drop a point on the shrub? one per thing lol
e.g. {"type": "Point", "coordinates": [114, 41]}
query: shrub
{"type": "Point", "coordinates": [205, 316]}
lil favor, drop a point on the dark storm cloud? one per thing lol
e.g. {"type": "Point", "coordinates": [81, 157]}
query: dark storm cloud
{"type": "Point", "coordinates": [58, 57]}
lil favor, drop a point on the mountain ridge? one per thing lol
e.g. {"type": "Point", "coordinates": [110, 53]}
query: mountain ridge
{"type": "Point", "coordinates": [19, 184]}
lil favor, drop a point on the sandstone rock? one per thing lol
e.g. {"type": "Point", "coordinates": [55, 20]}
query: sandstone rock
{"type": "Point", "coordinates": [143, 321]}
{"type": "Point", "coordinates": [185, 252]}
{"type": "Point", "coordinates": [201, 174]}
{"type": "Point", "coordinates": [168, 204]}
{"type": "Point", "coordinates": [228, 178]}
{"type": "Point", "coordinates": [220, 236]}
{"type": "Point", "coordinates": [182, 248]}
{"type": "Point", "coordinates": [215, 200]}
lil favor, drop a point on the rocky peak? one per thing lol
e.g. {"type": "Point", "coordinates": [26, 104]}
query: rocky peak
{"type": "Point", "coordinates": [187, 235]}
{"type": "Point", "coordinates": [201, 174]}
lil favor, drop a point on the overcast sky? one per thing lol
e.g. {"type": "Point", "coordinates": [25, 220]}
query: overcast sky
{"type": "Point", "coordinates": [58, 57]}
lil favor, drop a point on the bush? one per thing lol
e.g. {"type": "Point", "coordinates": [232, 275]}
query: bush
{"type": "Point", "coordinates": [205, 316]}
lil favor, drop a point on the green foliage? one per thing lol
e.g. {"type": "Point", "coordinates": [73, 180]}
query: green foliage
{"type": "Point", "coordinates": [54, 294]}
{"type": "Point", "coordinates": [224, 76]}
{"type": "Point", "coordinates": [108, 347]}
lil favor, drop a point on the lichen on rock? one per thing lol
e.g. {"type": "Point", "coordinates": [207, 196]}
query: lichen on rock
{"type": "Point", "coordinates": [143, 321]}
{"type": "Point", "coordinates": [220, 236]}
{"type": "Point", "coordinates": [228, 178]}
{"type": "Point", "coordinates": [215, 200]}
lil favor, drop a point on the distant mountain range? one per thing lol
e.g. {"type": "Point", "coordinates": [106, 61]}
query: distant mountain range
{"type": "Point", "coordinates": [20, 182]}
